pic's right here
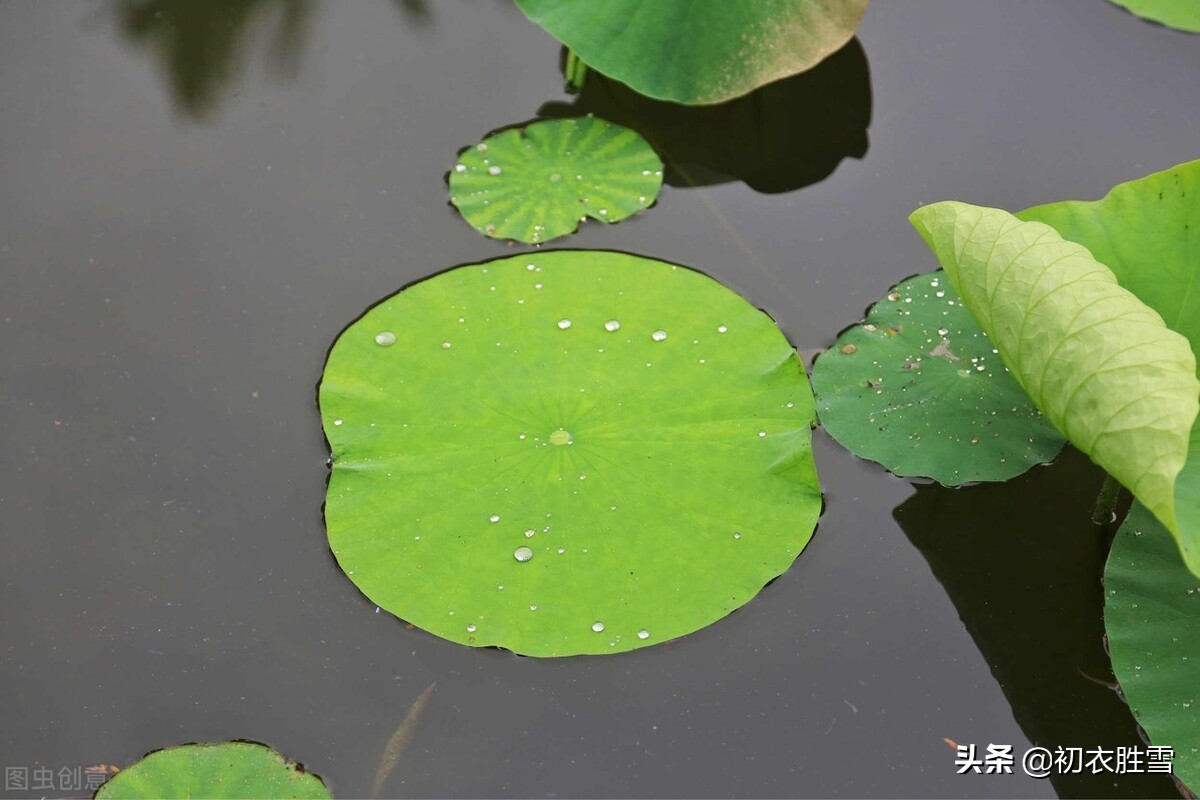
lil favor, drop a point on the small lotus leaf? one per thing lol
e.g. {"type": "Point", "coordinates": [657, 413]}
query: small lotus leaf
{"type": "Point", "coordinates": [565, 453]}
{"type": "Point", "coordinates": [226, 770]}
{"type": "Point", "coordinates": [919, 388]}
{"type": "Point", "coordinates": [536, 183]}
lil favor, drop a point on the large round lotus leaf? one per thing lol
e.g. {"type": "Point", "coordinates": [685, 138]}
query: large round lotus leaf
{"type": "Point", "coordinates": [225, 770]}
{"type": "Point", "coordinates": [564, 453]}
{"type": "Point", "coordinates": [1152, 617]}
{"type": "Point", "coordinates": [698, 53]}
{"type": "Point", "coordinates": [536, 183]}
{"type": "Point", "coordinates": [1181, 14]}
{"type": "Point", "coordinates": [919, 388]}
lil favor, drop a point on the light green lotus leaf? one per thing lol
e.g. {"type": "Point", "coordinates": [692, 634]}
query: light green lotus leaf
{"type": "Point", "coordinates": [1099, 363]}
{"type": "Point", "coordinates": [919, 388]}
{"type": "Point", "coordinates": [1152, 618]}
{"type": "Point", "coordinates": [1146, 232]}
{"type": "Point", "coordinates": [536, 183]}
{"type": "Point", "coordinates": [227, 770]}
{"type": "Point", "coordinates": [1181, 14]}
{"type": "Point", "coordinates": [564, 453]}
{"type": "Point", "coordinates": [698, 53]}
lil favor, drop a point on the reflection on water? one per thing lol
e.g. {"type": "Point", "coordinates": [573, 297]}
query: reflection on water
{"type": "Point", "coordinates": [1022, 563]}
{"type": "Point", "coordinates": [784, 136]}
{"type": "Point", "coordinates": [202, 44]}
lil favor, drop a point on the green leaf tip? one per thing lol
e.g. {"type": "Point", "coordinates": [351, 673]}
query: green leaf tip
{"type": "Point", "coordinates": [1100, 364]}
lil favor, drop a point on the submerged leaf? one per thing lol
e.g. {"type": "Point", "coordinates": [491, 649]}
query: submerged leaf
{"type": "Point", "coordinates": [1181, 14]}
{"type": "Point", "coordinates": [1100, 364]}
{"type": "Point", "coordinates": [1152, 617]}
{"type": "Point", "coordinates": [400, 739]}
{"type": "Point", "coordinates": [565, 453]}
{"type": "Point", "coordinates": [222, 770]}
{"type": "Point", "coordinates": [919, 388]}
{"type": "Point", "coordinates": [698, 53]}
{"type": "Point", "coordinates": [534, 184]}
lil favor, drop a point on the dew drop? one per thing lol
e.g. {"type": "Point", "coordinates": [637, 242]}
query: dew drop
{"type": "Point", "coordinates": [893, 296]}
{"type": "Point", "coordinates": [493, 170]}
{"type": "Point", "coordinates": [530, 533]}
{"type": "Point", "coordinates": [471, 629]}
{"type": "Point", "coordinates": [658, 335]}
{"type": "Point", "coordinates": [721, 329]}
{"type": "Point", "coordinates": [943, 331]}
{"type": "Point", "coordinates": [481, 147]}
{"type": "Point", "coordinates": [494, 518]}
{"type": "Point", "coordinates": [460, 167]}
{"type": "Point", "coordinates": [643, 634]}
{"type": "Point", "coordinates": [598, 626]}
{"type": "Point", "coordinates": [563, 324]}
{"type": "Point", "coordinates": [848, 349]}
{"type": "Point", "coordinates": [337, 422]}
{"type": "Point", "coordinates": [612, 325]}
{"type": "Point", "coordinates": [560, 437]}
{"type": "Point", "coordinates": [445, 345]}
{"type": "Point", "coordinates": [523, 554]}
{"type": "Point", "coordinates": [385, 338]}
{"type": "Point", "coordinates": [533, 607]}
{"type": "Point", "coordinates": [737, 535]}
{"type": "Point", "coordinates": [762, 433]}
{"type": "Point", "coordinates": [604, 212]}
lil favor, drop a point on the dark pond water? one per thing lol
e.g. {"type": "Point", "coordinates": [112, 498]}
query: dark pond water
{"type": "Point", "coordinates": [196, 197]}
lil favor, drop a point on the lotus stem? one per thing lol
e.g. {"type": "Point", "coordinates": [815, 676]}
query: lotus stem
{"type": "Point", "coordinates": [574, 72]}
{"type": "Point", "coordinates": [1106, 501]}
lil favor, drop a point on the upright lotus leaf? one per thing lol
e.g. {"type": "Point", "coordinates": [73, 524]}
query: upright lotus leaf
{"type": "Point", "coordinates": [1152, 618]}
{"type": "Point", "coordinates": [779, 138]}
{"type": "Point", "coordinates": [1181, 14]}
{"type": "Point", "coordinates": [1147, 232]}
{"type": "Point", "coordinates": [1099, 363]}
{"type": "Point", "coordinates": [566, 453]}
{"type": "Point", "coordinates": [698, 53]}
{"type": "Point", "coordinates": [919, 388]}
{"type": "Point", "coordinates": [536, 183]}
{"type": "Point", "coordinates": [227, 770]}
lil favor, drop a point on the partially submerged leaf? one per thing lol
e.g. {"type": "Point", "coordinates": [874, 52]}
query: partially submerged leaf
{"type": "Point", "coordinates": [698, 53]}
{"type": "Point", "coordinates": [919, 388]}
{"type": "Point", "coordinates": [1100, 364]}
{"type": "Point", "coordinates": [1147, 231]}
{"type": "Point", "coordinates": [1152, 617]}
{"type": "Point", "coordinates": [534, 184]}
{"type": "Point", "coordinates": [565, 453]}
{"type": "Point", "coordinates": [223, 770]}
{"type": "Point", "coordinates": [400, 739]}
{"type": "Point", "coordinates": [1181, 14]}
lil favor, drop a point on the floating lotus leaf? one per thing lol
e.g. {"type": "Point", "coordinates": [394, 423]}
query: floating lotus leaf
{"type": "Point", "coordinates": [1181, 14]}
{"type": "Point", "coordinates": [698, 53]}
{"type": "Point", "coordinates": [227, 770]}
{"type": "Point", "coordinates": [1100, 363]}
{"type": "Point", "coordinates": [565, 453]}
{"type": "Point", "coordinates": [1152, 617]}
{"type": "Point", "coordinates": [919, 388]}
{"type": "Point", "coordinates": [536, 183]}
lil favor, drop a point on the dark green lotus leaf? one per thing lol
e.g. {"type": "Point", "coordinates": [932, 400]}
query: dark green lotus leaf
{"type": "Point", "coordinates": [1152, 616]}
{"type": "Point", "coordinates": [225, 770]}
{"type": "Point", "coordinates": [698, 53]}
{"type": "Point", "coordinates": [565, 453]}
{"type": "Point", "coordinates": [1183, 15]}
{"type": "Point", "coordinates": [919, 388]}
{"type": "Point", "coordinates": [536, 183]}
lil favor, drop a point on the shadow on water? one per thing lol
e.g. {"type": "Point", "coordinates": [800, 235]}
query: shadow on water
{"type": "Point", "coordinates": [202, 44]}
{"type": "Point", "coordinates": [784, 136]}
{"type": "Point", "coordinates": [1022, 563]}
